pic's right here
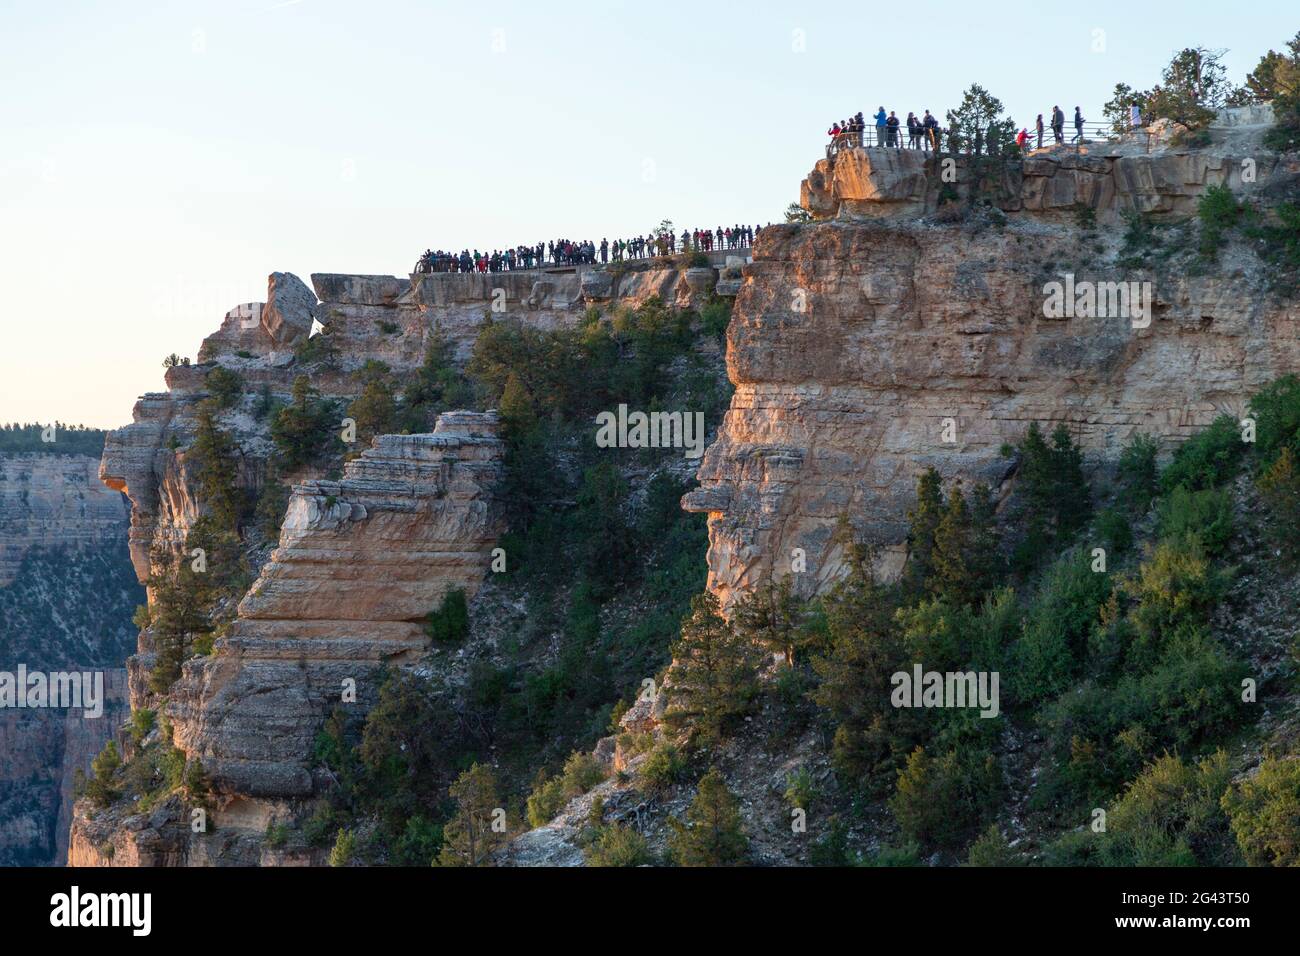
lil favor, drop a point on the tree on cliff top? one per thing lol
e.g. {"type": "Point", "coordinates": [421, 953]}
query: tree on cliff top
{"type": "Point", "coordinates": [1193, 87]}
{"type": "Point", "coordinates": [977, 125]}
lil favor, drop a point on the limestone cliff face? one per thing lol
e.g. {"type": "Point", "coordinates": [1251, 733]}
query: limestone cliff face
{"type": "Point", "coordinates": [855, 341]}
{"type": "Point", "coordinates": [361, 563]}
{"type": "Point", "coordinates": [361, 560]}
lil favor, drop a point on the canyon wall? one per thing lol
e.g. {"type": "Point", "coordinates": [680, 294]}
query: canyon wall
{"type": "Point", "coordinates": [361, 560]}
{"type": "Point", "coordinates": [66, 597]}
{"type": "Point", "coordinates": [887, 337]}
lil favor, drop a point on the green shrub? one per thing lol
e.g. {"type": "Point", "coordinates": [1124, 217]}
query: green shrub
{"type": "Point", "coordinates": [618, 846]}
{"type": "Point", "coordinates": [715, 317]}
{"type": "Point", "coordinates": [800, 790]}
{"type": "Point", "coordinates": [1175, 590]}
{"type": "Point", "coordinates": [1206, 514]}
{"type": "Point", "coordinates": [1060, 620]}
{"type": "Point", "coordinates": [1276, 410]}
{"type": "Point", "coordinates": [1114, 530]}
{"type": "Point", "coordinates": [991, 849]}
{"type": "Point", "coordinates": [581, 772]}
{"type": "Point", "coordinates": [344, 850]}
{"type": "Point", "coordinates": [1170, 816]}
{"type": "Point", "coordinates": [303, 431]}
{"type": "Point", "coordinates": [1138, 472]}
{"type": "Point", "coordinates": [142, 722]}
{"type": "Point", "coordinates": [1280, 488]}
{"type": "Point", "coordinates": [450, 623]}
{"type": "Point", "coordinates": [102, 786]}
{"type": "Point", "coordinates": [224, 386]}
{"type": "Point", "coordinates": [663, 767]}
{"type": "Point", "coordinates": [1264, 811]}
{"type": "Point", "coordinates": [941, 801]}
{"type": "Point", "coordinates": [1218, 210]}
{"type": "Point", "coordinates": [277, 834]}
{"type": "Point", "coordinates": [1207, 459]}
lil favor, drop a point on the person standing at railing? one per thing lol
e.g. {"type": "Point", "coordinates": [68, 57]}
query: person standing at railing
{"type": "Point", "coordinates": [1022, 138]}
{"type": "Point", "coordinates": [931, 127]}
{"type": "Point", "coordinates": [882, 118]}
{"type": "Point", "coordinates": [1058, 125]}
{"type": "Point", "coordinates": [891, 125]}
{"type": "Point", "coordinates": [1038, 127]}
{"type": "Point", "coordinates": [1078, 126]}
{"type": "Point", "coordinates": [913, 131]}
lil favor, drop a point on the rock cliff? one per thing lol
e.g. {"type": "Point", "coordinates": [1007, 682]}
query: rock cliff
{"type": "Point", "coordinates": [61, 542]}
{"type": "Point", "coordinates": [871, 345]}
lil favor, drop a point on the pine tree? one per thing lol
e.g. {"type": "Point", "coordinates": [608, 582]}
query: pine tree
{"type": "Point", "coordinates": [985, 562]}
{"type": "Point", "coordinates": [952, 552]}
{"type": "Point", "coordinates": [374, 411]}
{"type": "Point", "coordinates": [213, 454]}
{"type": "Point", "coordinates": [863, 649]}
{"type": "Point", "coordinates": [712, 835]}
{"type": "Point", "coordinates": [181, 600]}
{"type": "Point", "coordinates": [714, 673]}
{"type": "Point", "coordinates": [302, 429]}
{"type": "Point", "coordinates": [771, 616]}
{"type": "Point", "coordinates": [518, 414]}
{"type": "Point", "coordinates": [470, 837]}
{"type": "Point", "coordinates": [1055, 496]}
{"type": "Point", "coordinates": [1072, 498]}
{"type": "Point", "coordinates": [923, 522]}
{"type": "Point", "coordinates": [101, 787]}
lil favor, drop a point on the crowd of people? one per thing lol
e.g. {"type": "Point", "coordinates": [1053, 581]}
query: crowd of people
{"type": "Point", "coordinates": [924, 132]}
{"type": "Point", "coordinates": [560, 252]}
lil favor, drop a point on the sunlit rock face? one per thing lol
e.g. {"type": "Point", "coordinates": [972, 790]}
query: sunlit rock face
{"type": "Point", "coordinates": [857, 349]}
{"type": "Point", "coordinates": [361, 562]}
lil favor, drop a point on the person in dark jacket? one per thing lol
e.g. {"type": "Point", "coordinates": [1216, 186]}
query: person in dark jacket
{"type": "Point", "coordinates": [1058, 124]}
{"type": "Point", "coordinates": [1078, 126]}
{"type": "Point", "coordinates": [931, 127]}
{"type": "Point", "coordinates": [1039, 127]}
{"type": "Point", "coordinates": [891, 126]}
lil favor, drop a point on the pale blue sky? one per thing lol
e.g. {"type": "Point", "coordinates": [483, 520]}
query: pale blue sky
{"type": "Point", "coordinates": [160, 159]}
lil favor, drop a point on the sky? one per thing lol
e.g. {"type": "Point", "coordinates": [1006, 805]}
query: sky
{"type": "Point", "coordinates": [159, 160]}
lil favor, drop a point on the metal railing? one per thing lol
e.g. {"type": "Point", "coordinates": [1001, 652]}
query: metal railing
{"type": "Point", "coordinates": [937, 139]}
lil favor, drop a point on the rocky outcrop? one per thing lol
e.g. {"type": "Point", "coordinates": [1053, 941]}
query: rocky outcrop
{"type": "Point", "coordinates": [853, 346]}
{"type": "Point", "coordinates": [1135, 173]}
{"type": "Point", "coordinates": [263, 328]}
{"type": "Point", "coordinates": [361, 562]}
